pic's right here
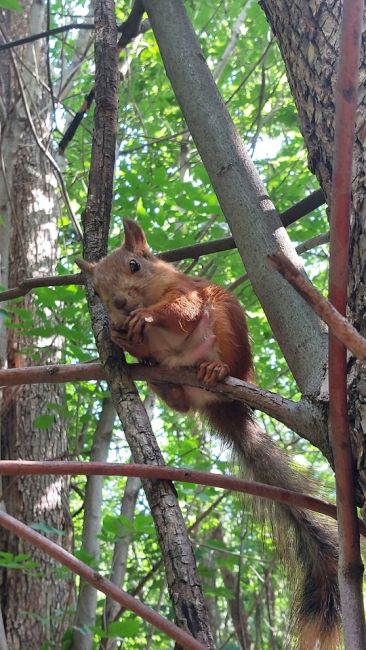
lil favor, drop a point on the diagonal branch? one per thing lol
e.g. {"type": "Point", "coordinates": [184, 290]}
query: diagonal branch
{"type": "Point", "coordinates": [131, 28]}
{"type": "Point", "coordinates": [102, 584]}
{"type": "Point", "coordinates": [338, 324]}
{"type": "Point", "coordinates": [251, 216]}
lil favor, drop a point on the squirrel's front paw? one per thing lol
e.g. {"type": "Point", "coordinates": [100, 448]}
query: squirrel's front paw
{"type": "Point", "coordinates": [118, 336]}
{"type": "Point", "coordinates": [137, 323]}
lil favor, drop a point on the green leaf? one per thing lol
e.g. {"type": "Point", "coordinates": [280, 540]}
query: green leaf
{"type": "Point", "coordinates": [45, 528]}
{"type": "Point", "coordinates": [12, 5]}
{"type": "Point", "coordinates": [43, 421]}
{"type": "Point", "coordinates": [124, 629]}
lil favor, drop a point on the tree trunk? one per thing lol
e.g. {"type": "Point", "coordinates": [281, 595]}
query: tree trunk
{"type": "Point", "coordinates": [308, 36]}
{"type": "Point", "coordinates": [33, 602]}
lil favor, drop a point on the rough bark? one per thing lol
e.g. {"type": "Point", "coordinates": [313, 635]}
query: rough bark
{"type": "Point", "coordinates": [308, 36]}
{"type": "Point", "coordinates": [32, 604]}
{"type": "Point", "coordinates": [183, 582]}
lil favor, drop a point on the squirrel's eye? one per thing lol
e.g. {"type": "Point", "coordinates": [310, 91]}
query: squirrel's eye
{"type": "Point", "coordinates": [134, 266]}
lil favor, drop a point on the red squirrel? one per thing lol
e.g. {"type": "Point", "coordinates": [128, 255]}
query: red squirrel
{"type": "Point", "coordinates": [162, 315]}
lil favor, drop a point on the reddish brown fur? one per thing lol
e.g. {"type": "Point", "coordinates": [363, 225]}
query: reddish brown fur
{"type": "Point", "coordinates": [175, 320]}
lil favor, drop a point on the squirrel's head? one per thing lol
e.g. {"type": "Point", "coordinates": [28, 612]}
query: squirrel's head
{"type": "Point", "coordinates": [124, 279]}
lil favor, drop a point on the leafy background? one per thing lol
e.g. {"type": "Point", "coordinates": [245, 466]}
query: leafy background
{"type": "Point", "coordinates": [178, 209]}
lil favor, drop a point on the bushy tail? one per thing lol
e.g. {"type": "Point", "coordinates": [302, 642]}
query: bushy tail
{"type": "Point", "coordinates": [303, 541]}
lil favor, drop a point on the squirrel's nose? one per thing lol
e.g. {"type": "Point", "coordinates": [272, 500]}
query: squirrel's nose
{"type": "Point", "coordinates": [120, 303]}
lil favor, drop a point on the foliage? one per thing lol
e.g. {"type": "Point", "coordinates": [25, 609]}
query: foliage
{"type": "Point", "coordinates": [12, 5]}
{"type": "Point", "coordinates": [176, 206]}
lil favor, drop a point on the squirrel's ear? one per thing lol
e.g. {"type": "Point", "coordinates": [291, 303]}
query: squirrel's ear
{"type": "Point", "coordinates": [87, 267]}
{"type": "Point", "coordinates": [135, 240]}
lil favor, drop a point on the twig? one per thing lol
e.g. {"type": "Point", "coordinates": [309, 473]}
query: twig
{"type": "Point", "coordinates": [45, 34]}
{"type": "Point", "coordinates": [47, 154]}
{"type": "Point", "coordinates": [338, 324]}
{"type": "Point", "coordinates": [102, 584]}
{"type": "Point", "coordinates": [157, 565]}
{"type": "Point", "coordinates": [300, 249]}
{"type": "Point", "coordinates": [47, 281]}
{"type": "Point", "coordinates": [131, 28]}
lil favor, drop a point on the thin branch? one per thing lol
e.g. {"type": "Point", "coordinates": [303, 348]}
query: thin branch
{"type": "Point", "coordinates": [131, 28]}
{"type": "Point", "coordinates": [157, 565]}
{"type": "Point", "coordinates": [102, 584]}
{"type": "Point", "coordinates": [302, 417]}
{"type": "Point", "coordinates": [306, 246]}
{"type": "Point", "coordinates": [252, 69]}
{"type": "Point", "coordinates": [295, 212]}
{"type": "Point", "coordinates": [303, 207]}
{"type": "Point", "coordinates": [209, 479]}
{"type": "Point", "coordinates": [234, 37]}
{"type": "Point", "coordinates": [45, 34]}
{"type": "Point", "coordinates": [46, 153]}
{"type": "Point", "coordinates": [338, 324]}
{"type": "Point", "coordinates": [47, 281]}
{"type": "Point", "coordinates": [186, 595]}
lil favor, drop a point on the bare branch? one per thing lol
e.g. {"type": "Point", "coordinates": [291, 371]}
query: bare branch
{"type": "Point", "coordinates": [350, 567]}
{"type": "Point", "coordinates": [153, 472]}
{"type": "Point", "coordinates": [234, 36]}
{"type": "Point", "coordinates": [47, 281]}
{"type": "Point", "coordinates": [303, 417]}
{"type": "Point", "coordinates": [45, 34]}
{"type": "Point", "coordinates": [306, 246]}
{"type": "Point", "coordinates": [297, 211]}
{"type": "Point", "coordinates": [131, 28]}
{"type": "Point", "coordinates": [45, 151]}
{"type": "Point", "coordinates": [186, 594]}
{"type": "Point", "coordinates": [338, 324]}
{"type": "Point", "coordinates": [102, 584]}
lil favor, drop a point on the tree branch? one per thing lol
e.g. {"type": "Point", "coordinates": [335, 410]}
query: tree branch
{"type": "Point", "coordinates": [252, 218]}
{"type": "Point", "coordinates": [304, 417]}
{"type": "Point", "coordinates": [300, 249]}
{"type": "Point", "coordinates": [183, 581]}
{"type": "Point", "coordinates": [292, 214]}
{"type": "Point", "coordinates": [338, 324]}
{"type": "Point", "coordinates": [45, 34]}
{"type": "Point", "coordinates": [154, 472]}
{"type": "Point", "coordinates": [100, 583]}
{"type": "Point", "coordinates": [131, 28]}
